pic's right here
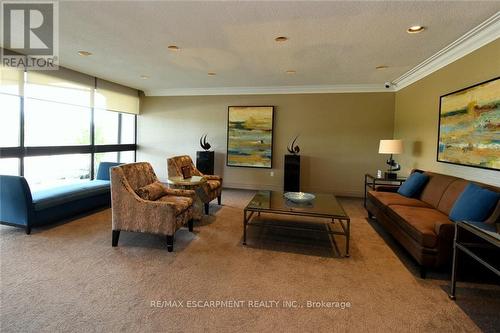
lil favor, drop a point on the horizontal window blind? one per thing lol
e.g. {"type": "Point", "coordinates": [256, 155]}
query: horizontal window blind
{"type": "Point", "coordinates": [114, 97]}
{"type": "Point", "coordinates": [69, 87]}
{"type": "Point", "coordinates": [63, 86]}
{"type": "Point", "coordinates": [11, 81]}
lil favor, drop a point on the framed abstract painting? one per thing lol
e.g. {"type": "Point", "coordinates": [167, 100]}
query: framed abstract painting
{"type": "Point", "coordinates": [469, 126]}
{"type": "Point", "coordinates": [250, 136]}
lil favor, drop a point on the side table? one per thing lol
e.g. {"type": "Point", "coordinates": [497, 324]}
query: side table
{"type": "Point", "coordinates": [195, 183]}
{"type": "Point", "coordinates": [372, 182]}
{"type": "Point", "coordinates": [485, 250]}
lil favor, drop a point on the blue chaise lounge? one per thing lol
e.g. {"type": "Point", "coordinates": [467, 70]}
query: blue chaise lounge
{"type": "Point", "coordinates": [22, 208]}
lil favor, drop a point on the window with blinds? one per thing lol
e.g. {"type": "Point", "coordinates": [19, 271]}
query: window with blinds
{"type": "Point", "coordinates": [63, 118]}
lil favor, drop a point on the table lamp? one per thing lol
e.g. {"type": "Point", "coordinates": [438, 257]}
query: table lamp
{"type": "Point", "coordinates": [391, 147]}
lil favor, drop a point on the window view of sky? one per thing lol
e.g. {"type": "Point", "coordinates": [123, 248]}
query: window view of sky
{"type": "Point", "coordinates": [9, 126]}
{"type": "Point", "coordinates": [55, 124]}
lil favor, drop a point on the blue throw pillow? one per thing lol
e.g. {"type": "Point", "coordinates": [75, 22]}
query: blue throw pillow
{"type": "Point", "coordinates": [413, 185]}
{"type": "Point", "coordinates": [474, 204]}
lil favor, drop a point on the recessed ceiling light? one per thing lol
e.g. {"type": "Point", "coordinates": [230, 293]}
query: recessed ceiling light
{"type": "Point", "coordinates": [382, 67]}
{"type": "Point", "coordinates": [291, 71]}
{"type": "Point", "coordinates": [415, 29]}
{"type": "Point", "coordinates": [173, 47]}
{"type": "Point", "coordinates": [211, 73]}
{"type": "Point", "coordinates": [144, 77]}
{"type": "Point", "coordinates": [281, 39]}
{"type": "Point", "coordinates": [84, 53]}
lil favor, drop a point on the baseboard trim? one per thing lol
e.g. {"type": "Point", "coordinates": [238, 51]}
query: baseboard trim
{"type": "Point", "coordinates": [270, 187]}
{"type": "Point", "coordinates": [338, 193]}
{"type": "Point", "coordinates": [254, 187]}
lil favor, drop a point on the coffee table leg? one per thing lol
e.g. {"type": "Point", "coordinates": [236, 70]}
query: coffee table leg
{"type": "Point", "coordinates": [347, 233]}
{"type": "Point", "coordinates": [347, 236]}
{"type": "Point", "coordinates": [244, 227]}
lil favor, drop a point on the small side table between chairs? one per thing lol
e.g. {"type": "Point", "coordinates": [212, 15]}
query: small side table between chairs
{"type": "Point", "coordinates": [195, 183]}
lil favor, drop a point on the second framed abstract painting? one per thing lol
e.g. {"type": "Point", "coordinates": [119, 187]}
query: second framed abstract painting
{"type": "Point", "coordinates": [469, 126]}
{"type": "Point", "coordinates": [250, 136]}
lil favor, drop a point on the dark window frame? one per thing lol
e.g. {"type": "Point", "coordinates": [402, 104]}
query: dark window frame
{"type": "Point", "coordinates": [22, 151]}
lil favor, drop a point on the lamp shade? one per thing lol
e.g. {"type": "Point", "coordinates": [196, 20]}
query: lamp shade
{"type": "Point", "coordinates": [390, 147]}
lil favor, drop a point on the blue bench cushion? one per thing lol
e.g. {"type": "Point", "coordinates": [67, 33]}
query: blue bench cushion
{"type": "Point", "coordinates": [62, 194]}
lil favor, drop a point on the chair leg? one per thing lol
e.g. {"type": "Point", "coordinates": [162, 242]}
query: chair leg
{"type": "Point", "coordinates": [170, 243]}
{"type": "Point", "coordinates": [27, 230]}
{"type": "Point", "coordinates": [219, 200]}
{"type": "Point", "coordinates": [115, 236]}
{"type": "Point", "coordinates": [190, 225]}
{"type": "Point", "coordinates": [206, 208]}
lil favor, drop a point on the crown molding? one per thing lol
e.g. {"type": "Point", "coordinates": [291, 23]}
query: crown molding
{"type": "Point", "coordinates": [485, 33]}
{"type": "Point", "coordinates": [271, 90]}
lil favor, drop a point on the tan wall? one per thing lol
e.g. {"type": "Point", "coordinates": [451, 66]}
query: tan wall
{"type": "Point", "coordinates": [417, 108]}
{"type": "Point", "coordinates": [339, 135]}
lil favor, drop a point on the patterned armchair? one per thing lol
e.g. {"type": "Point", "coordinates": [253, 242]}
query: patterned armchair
{"type": "Point", "coordinates": [213, 187]}
{"type": "Point", "coordinates": [140, 203]}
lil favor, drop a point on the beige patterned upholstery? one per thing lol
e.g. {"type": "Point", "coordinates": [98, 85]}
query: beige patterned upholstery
{"type": "Point", "coordinates": [213, 187]}
{"type": "Point", "coordinates": [132, 213]}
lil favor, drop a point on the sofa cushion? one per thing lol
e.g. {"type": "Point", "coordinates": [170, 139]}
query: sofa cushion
{"type": "Point", "coordinates": [419, 222]}
{"type": "Point", "coordinates": [413, 185]}
{"type": "Point", "coordinates": [435, 188]}
{"type": "Point", "coordinates": [62, 194]}
{"type": "Point", "coordinates": [474, 204]}
{"type": "Point", "coordinates": [181, 203]}
{"type": "Point", "coordinates": [451, 195]}
{"type": "Point", "coordinates": [384, 199]}
{"type": "Point", "coordinates": [152, 191]}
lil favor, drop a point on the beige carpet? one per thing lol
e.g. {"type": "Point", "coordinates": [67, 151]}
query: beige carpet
{"type": "Point", "coordinates": [68, 278]}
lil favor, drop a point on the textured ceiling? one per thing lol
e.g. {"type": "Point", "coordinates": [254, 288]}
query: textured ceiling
{"type": "Point", "coordinates": [331, 43]}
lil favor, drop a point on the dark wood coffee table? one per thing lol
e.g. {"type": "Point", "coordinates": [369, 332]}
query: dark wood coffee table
{"type": "Point", "coordinates": [324, 206]}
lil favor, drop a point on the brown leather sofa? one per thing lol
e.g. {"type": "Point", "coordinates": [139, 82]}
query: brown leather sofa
{"type": "Point", "coordinates": [421, 225]}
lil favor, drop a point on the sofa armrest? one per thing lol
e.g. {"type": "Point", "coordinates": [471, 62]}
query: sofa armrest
{"type": "Point", "coordinates": [445, 232]}
{"type": "Point", "coordinates": [16, 202]}
{"type": "Point", "coordinates": [444, 229]}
